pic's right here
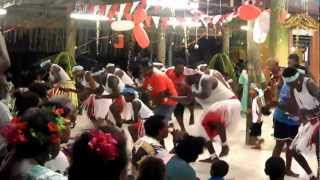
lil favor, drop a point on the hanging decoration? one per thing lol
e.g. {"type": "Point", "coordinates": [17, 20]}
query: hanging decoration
{"type": "Point", "coordinates": [98, 37]}
{"type": "Point", "coordinates": [120, 42]}
{"type": "Point", "coordinates": [141, 36]}
{"type": "Point", "coordinates": [139, 16]}
{"type": "Point", "coordinates": [134, 5]}
{"type": "Point", "coordinates": [301, 21]}
{"type": "Point", "coordinates": [248, 11]}
{"type": "Point", "coordinates": [261, 27]}
{"type": "Point", "coordinates": [122, 25]}
{"type": "Point", "coordinates": [156, 20]}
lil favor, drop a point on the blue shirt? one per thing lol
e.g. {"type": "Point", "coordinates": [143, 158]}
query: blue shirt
{"type": "Point", "coordinates": [279, 115]}
{"type": "Point", "coordinates": [178, 169]}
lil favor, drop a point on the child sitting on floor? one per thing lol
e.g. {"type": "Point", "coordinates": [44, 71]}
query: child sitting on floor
{"type": "Point", "coordinates": [219, 169]}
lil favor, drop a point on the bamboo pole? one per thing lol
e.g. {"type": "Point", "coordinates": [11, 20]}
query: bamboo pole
{"type": "Point", "coordinates": [279, 36]}
{"type": "Point", "coordinates": [161, 55]}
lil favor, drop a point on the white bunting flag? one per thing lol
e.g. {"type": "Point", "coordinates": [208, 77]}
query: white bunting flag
{"type": "Point", "coordinates": [121, 11]}
{"type": "Point", "coordinates": [108, 7]}
{"type": "Point", "coordinates": [96, 9]}
{"type": "Point", "coordinates": [156, 20]}
{"type": "Point", "coordinates": [134, 5]}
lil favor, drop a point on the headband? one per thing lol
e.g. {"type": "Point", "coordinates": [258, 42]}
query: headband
{"type": "Point", "coordinates": [77, 68]}
{"type": "Point", "coordinates": [291, 78]}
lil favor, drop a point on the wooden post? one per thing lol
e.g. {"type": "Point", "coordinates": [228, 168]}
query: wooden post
{"type": "Point", "coordinates": [254, 70]}
{"type": "Point", "coordinates": [279, 36]}
{"type": "Point", "coordinates": [161, 55]}
{"type": "Point", "coordinates": [71, 37]}
{"type": "Point", "coordinates": [226, 39]}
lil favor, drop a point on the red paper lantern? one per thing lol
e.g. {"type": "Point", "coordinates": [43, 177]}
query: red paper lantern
{"type": "Point", "coordinates": [248, 12]}
{"type": "Point", "coordinates": [120, 42]}
{"type": "Point", "coordinates": [139, 16]}
{"type": "Point", "coordinates": [141, 37]}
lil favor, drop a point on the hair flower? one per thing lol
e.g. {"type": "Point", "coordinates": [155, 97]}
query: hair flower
{"type": "Point", "coordinates": [104, 144]}
{"type": "Point", "coordinates": [58, 111]}
{"type": "Point", "coordinates": [53, 128]}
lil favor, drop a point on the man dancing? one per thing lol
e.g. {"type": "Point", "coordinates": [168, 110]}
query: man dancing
{"type": "Point", "coordinates": [307, 96]}
{"type": "Point", "coordinates": [221, 110]}
{"type": "Point", "coordinates": [179, 80]}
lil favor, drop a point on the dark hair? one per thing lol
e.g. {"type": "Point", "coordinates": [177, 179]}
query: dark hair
{"type": "Point", "coordinates": [39, 88]}
{"type": "Point", "coordinates": [275, 167]}
{"type": "Point", "coordinates": [190, 148]}
{"type": "Point", "coordinates": [153, 125]}
{"type": "Point", "coordinates": [25, 100]}
{"type": "Point", "coordinates": [88, 164]}
{"type": "Point", "coordinates": [146, 63]}
{"type": "Point", "coordinates": [152, 168]}
{"type": "Point", "coordinates": [288, 72]}
{"type": "Point", "coordinates": [36, 119]}
{"type": "Point", "coordinates": [295, 57]}
{"type": "Point", "coordinates": [219, 168]}
{"type": "Point", "coordinates": [179, 60]}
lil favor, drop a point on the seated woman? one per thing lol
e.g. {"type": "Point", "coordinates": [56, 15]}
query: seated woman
{"type": "Point", "coordinates": [99, 154]}
{"type": "Point", "coordinates": [35, 139]}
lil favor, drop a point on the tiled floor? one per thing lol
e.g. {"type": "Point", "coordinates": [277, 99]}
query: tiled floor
{"type": "Point", "coordinates": [245, 163]}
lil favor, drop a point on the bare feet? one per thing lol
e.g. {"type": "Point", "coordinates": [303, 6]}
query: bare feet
{"type": "Point", "coordinates": [291, 173]}
{"type": "Point", "coordinates": [224, 151]}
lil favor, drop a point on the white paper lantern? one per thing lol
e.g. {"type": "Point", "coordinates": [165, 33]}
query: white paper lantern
{"type": "Point", "coordinates": [122, 25]}
{"type": "Point", "coordinates": [261, 27]}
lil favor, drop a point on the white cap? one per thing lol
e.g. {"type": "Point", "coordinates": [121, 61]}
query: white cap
{"type": "Point", "coordinates": [77, 68]}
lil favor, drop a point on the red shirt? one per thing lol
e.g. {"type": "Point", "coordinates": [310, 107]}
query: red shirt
{"type": "Point", "coordinates": [157, 83]}
{"type": "Point", "coordinates": [179, 81]}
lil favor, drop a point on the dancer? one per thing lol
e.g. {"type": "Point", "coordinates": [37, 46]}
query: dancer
{"type": "Point", "coordinates": [126, 79]}
{"type": "Point", "coordinates": [61, 82]}
{"type": "Point", "coordinates": [138, 113]}
{"type": "Point", "coordinates": [178, 78]}
{"type": "Point", "coordinates": [205, 69]}
{"type": "Point", "coordinates": [114, 86]}
{"type": "Point", "coordinates": [307, 96]}
{"type": "Point", "coordinates": [160, 88]}
{"type": "Point", "coordinates": [221, 110]}
{"type": "Point", "coordinates": [286, 126]}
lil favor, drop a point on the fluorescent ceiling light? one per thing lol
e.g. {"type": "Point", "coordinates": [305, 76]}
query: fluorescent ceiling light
{"type": "Point", "coordinates": [176, 4]}
{"type": "Point", "coordinates": [3, 11]}
{"type": "Point", "coordinates": [90, 17]}
{"type": "Point", "coordinates": [188, 23]}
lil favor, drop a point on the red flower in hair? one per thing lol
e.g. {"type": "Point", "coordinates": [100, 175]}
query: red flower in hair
{"type": "Point", "coordinates": [18, 123]}
{"type": "Point", "coordinates": [58, 111]}
{"type": "Point", "coordinates": [14, 132]}
{"type": "Point", "coordinates": [104, 144]}
{"type": "Point", "coordinates": [55, 139]}
{"type": "Point", "coordinates": [53, 128]}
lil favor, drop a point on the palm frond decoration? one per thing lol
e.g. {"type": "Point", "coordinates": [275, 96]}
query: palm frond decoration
{"type": "Point", "coordinates": [66, 61]}
{"type": "Point", "coordinates": [222, 63]}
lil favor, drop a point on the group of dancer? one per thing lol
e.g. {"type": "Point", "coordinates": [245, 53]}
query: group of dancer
{"type": "Point", "coordinates": [144, 106]}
